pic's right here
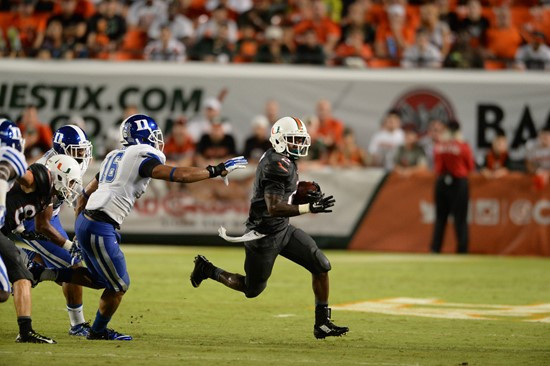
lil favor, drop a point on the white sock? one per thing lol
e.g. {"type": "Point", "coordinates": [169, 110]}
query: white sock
{"type": "Point", "coordinates": [76, 314]}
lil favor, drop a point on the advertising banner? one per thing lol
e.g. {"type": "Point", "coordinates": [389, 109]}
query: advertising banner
{"type": "Point", "coordinates": [509, 215]}
{"type": "Point", "coordinates": [485, 103]}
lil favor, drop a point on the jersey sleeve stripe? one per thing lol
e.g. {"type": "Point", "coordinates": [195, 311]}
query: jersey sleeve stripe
{"type": "Point", "coordinates": [23, 164]}
{"type": "Point", "coordinates": [15, 164]}
{"type": "Point", "coordinates": [154, 157]}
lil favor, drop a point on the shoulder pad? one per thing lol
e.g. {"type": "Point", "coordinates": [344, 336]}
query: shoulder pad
{"type": "Point", "coordinates": [278, 166]}
{"type": "Point", "coordinates": [42, 178]}
{"type": "Point", "coordinates": [146, 151]}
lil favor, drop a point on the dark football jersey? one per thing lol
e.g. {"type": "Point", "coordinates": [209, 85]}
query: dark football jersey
{"type": "Point", "coordinates": [278, 175]}
{"type": "Point", "coordinates": [21, 205]}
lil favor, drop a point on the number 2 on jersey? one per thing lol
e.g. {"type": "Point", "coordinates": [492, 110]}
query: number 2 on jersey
{"type": "Point", "coordinates": [110, 169]}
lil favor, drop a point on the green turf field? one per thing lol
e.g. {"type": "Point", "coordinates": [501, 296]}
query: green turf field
{"type": "Point", "coordinates": [173, 323]}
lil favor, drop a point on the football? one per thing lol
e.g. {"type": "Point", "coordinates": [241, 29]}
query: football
{"type": "Point", "coordinates": [300, 196]}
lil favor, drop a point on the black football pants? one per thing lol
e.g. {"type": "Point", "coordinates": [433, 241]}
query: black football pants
{"type": "Point", "coordinates": [451, 197]}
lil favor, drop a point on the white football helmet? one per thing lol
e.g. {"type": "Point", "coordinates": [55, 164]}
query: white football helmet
{"type": "Point", "coordinates": [289, 135]}
{"type": "Point", "coordinates": [66, 177]}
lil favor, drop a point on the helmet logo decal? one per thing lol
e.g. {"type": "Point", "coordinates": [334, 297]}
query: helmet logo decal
{"type": "Point", "coordinates": [142, 124]}
{"type": "Point", "coordinates": [59, 167]}
{"type": "Point", "coordinates": [58, 138]}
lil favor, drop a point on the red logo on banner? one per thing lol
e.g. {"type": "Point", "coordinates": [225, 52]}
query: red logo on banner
{"type": "Point", "coordinates": [419, 106]}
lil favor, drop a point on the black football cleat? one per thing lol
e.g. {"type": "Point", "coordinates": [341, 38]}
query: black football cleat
{"type": "Point", "coordinates": [33, 337]}
{"type": "Point", "coordinates": [324, 327]}
{"type": "Point", "coordinates": [202, 271]}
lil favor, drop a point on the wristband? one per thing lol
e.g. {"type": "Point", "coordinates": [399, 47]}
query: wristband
{"type": "Point", "coordinates": [172, 174]}
{"type": "Point", "coordinates": [67, 245]}
{"type": "Point", "coordinates": [85, 194]}
{"type": "Point", "coordinates": [304, 209]}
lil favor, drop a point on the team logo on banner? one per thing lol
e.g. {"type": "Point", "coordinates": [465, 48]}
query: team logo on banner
{"type": "Point", "coordinates": [419, 106]}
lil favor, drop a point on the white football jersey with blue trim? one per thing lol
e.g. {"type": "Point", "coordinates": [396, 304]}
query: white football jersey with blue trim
{"type": "Point", "coordinates": [16, 160]}
{"type": "Point", "coordinates": [120, 184]}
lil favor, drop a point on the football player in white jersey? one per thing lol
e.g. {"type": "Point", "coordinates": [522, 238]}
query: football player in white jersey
{"type": "Point", "coordinates": [107, 200]}
{"type": "Point", "coordinates": [46, 235]}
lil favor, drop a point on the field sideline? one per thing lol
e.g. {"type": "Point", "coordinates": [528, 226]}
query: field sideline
{"type": "Point", "coordinates": [451, 304]}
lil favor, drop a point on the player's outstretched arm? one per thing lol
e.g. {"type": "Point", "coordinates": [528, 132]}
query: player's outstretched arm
{"type": "Point", "coordinates": [43, 226]}
{"type": "Point", "coordinates": [193, 174]}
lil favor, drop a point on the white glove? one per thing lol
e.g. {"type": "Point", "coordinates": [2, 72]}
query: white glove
{"type": "Point", "coordinates": [234, 163]}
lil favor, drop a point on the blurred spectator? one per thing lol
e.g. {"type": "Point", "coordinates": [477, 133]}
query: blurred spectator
{"type": "Point", "coordinates": [353, 51]}
{"type": "Point", "coordinates": [114, 24]}
{"type": "Point", "coordinates": [503, 39]}
{"type": "Point", "coordinates": [393, 37]}
{"type": "Point", "coordinates": [540, 20]}
{"type": "Point", "coordinates": [98, 42]}
{"type": "Point", "coordinates": [38, 136]}
{"type": "Point", "coordinates": [331, 130]}
{"type": "Point", "coordinates": [538, 156]}
{"type": "Point", "coordinates": [453, 163]}
{"type": "Point", "coordinates": [180, 26]}
{"type": "Point", "coordinates": [219, 22]}
{"type": "Point", "coordinates": [179, 146]}
{"type": "Point", "coordinates": [348, 153]}
{"type": "Point", "coordinates": [259, 15]}
{"type": "Point", "coordinates": [422, 54]}
{"type": "Point", "coordinates": [462, 55]}
{"type": "Point", "coordinates": [28, 27]}
{"type": "Point", "coordinates": [236, 6]}
{"type": "Point", "coordinates": [447, 15]}
{"type": "Point", "coordinates": [317, 150]}
{"type": "Point", "coordinates": [410, 157]}
{"type": "Point", "coordinates": [434, 134]}
{"type": "Point", "coordinates": [384, 142]}
{"type": "Point", "coordinates": [167, 48]}
{"type": "Point", "coordinates": [257, 143]}
{"type": "Point", "coordinates": [73, 24]}
{"type": "Point", "coordinates": [53, 45]}
{"type": "Point", "coordinates": [326, 31]}
{"type": "Point", "coordinates": [438, 31]}
{"type": "Point", "coordinates": [215, 145]}
{"type": "Point", "coordinates": [247, 45]}
{"type": "Point", "coordinates": [272, 111]}
{"type": "Point", "coordinates": [356, 19]}
{"type": "Point", "coordinates": [475, 24]}
{"type": "Point", "coordinates": [274, 50]}
{"type": "Point", "coordinates": [111, 137]}
{"type": "Point", "coordinates": [217, 49]}
{"type": "Point", "coordinates": [144, 13]}
{"type": "Point", "coordinates": [310, 51]}
{"type": "Point", "coordinates": [201, 125]}
{"type": "Point", "coordinates": [497, 161]}
{"type": "Point", "coordinates": [535, 55]}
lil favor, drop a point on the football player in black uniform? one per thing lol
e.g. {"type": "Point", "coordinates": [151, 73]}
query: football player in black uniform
{"type": "Point", "coordinates": [269, 232]}
{"type": "Point", "coordinates": [32, 194]}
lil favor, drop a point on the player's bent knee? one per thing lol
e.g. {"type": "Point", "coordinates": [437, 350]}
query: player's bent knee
{"type": "Point", "coordinates": [322, 262]}
{"type": "Point", "coordinates": [255, 291]}
{"type": "Point", "coordinates": [4, 296]}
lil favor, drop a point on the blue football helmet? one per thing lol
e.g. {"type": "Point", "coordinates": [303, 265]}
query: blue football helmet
{"type": "Point", "coordinates": [10, 135]}
{"type": "Point", "coordinates": [71, 140]}
{"type": "Point", "coordinates": [141, 129]}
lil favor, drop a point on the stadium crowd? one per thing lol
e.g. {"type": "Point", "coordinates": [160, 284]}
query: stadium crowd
{"type": "Point", "coordinates": [491, 34]}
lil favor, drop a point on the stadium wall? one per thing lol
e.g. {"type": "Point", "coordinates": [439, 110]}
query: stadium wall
{"type": "Point", "coordinates": [98, 91]}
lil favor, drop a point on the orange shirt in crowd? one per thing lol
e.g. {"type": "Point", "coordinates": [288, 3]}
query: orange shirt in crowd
{"type": "Point", "coordinates": [332, 128]}
{"type": "Point", "coordinates": [85, 8]}
{"type": "Point", "coordinates": [28, 27]}
{"type": "Point", "coordinates": [503, 42]}
{"type": "Point", "coordinates": [45, 136]}
{"type": "Point", "coordinates": [346, 50]}
{"type": "Point", "coordinates": [323, 29]}
{"type": "Point", "coordinates": [384, 33]}
{"type": "Point", "coordinates": [377, 15]}
{"type": "Point", "coordinates": [172, 148]}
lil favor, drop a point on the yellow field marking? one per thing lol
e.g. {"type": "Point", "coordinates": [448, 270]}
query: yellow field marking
{"type": "Point", "coordinates": [437, 308]}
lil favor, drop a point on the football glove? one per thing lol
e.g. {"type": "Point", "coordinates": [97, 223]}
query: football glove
{"type": "Point", "coordinates": [321, 203]}
{"type": "Point", "coordinates": [228, 166]}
